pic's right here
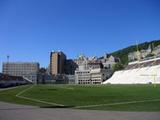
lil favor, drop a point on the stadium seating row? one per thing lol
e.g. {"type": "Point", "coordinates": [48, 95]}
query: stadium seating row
{"type": "Point", "coordinates": [146, 72]}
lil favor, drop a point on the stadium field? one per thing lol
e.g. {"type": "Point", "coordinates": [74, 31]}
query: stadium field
{"type": "Point", "coordinates": [94, 97]}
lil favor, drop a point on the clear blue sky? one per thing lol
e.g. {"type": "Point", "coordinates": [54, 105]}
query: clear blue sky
{"type": "Point", "coordinates": [30, 29]}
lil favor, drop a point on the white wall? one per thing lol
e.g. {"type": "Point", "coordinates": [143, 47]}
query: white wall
{"type": "Point", "coordinates": [136, 76]}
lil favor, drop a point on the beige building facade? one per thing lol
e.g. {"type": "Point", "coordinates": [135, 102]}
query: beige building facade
{"type": "Point", "coordinates": [57, 63]}
{"type": "Point", "coordinates": [28, 70]}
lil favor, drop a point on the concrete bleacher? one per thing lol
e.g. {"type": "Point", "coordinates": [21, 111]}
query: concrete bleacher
{"type": "Point", "coordinates": [140, 72]}
{"type": "Point", "coordinates": [9, 81]}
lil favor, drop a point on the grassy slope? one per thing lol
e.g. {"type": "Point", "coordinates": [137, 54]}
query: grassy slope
{"type": "Point", "coordinates": [10, 96]}
{"type": "Point", "coordinates": [71, 95]}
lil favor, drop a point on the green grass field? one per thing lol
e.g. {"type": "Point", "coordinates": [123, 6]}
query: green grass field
{"type": "Point", "coordinates": [95, 97]}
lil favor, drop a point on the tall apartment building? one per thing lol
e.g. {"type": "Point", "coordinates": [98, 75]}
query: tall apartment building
{"type": "Point", "coordinates": [28, 70]}
{"type": "Point", "coordinates": [57, 63]}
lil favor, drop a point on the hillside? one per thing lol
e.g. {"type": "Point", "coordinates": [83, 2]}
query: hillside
{"type": "Point", "coordinates": [123, 53]}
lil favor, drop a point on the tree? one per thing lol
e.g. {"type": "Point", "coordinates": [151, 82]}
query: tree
{"type": "Point", "coordinates": [123, 53]}
{"type": "Point", "coordinates": [118, 66]}
{"type": "Point", "coordinates": [42, 70]}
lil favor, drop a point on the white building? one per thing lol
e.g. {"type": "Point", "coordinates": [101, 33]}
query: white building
{"type": "Point", "coordinates": [98, 75]}
{"type": "Point", "coordinates": [108, 61]}
{"type": "Point", "coordinates": [71, 79]}
{"type": "Point", "coordinates": [133, 56]}
{"type": "Point", "coordinates": [82, 76]}
{"type": "Point", "coordinates": [94, 70]}
{"type": "Point", "coordinates": [90, 73]}
{"type": "Point", "coordinates": [156, 50]}
{"type": "Point", "coordinates": [142, 54]}
{"type": "Point", "coordinates": [82, 60]}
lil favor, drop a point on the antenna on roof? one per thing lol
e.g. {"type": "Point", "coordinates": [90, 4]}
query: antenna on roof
{"type": "Point", "coordinates": [8, 58]}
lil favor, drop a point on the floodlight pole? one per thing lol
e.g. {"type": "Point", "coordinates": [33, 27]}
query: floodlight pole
{"type": "Point", "coordinates": [154, 81]}
{"type": "Point", "coordinates": [154, 71]}
{"type": "Point", "coordinates": [154, 77]}
{"type": "Point", "coordinates": [138, 54]}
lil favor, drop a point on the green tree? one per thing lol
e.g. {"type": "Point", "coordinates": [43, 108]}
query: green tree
{"type": "Point", "coordinates": [123, 53]}
{"type": "Point", "coordinates": [118, 66]}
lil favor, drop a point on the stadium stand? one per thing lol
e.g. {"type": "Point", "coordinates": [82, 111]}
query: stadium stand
{"type": "Point", "coordinates": [139, 72]}
{"type": "Point", "coordinates": [9, 81]}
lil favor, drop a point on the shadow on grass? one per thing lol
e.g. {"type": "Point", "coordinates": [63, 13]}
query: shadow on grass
{"type": "Point", "coordinates": [66, 106]}
{"type": "Point", "coordinates": [50, 89]}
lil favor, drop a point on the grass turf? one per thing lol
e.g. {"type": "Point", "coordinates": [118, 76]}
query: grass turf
{"type": "Point", "coordinates": [83, 95]}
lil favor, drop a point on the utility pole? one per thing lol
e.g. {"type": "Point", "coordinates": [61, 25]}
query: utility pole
{"type": "Point", "coordinates": [7, 64]}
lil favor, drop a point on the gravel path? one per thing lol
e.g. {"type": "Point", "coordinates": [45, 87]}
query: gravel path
{"type": "Point", "coordinates": [10, 111]}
